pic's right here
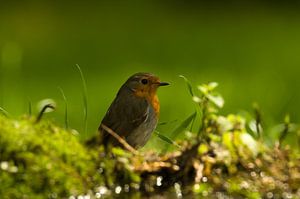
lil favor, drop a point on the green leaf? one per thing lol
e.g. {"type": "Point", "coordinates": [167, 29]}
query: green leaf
{"type": "Point", "coordinates": [249, 142]}
{"type": "Point", "coordinates": [183, 126]}
{"type": "Point", "coordinates": [203, 89]}
{"type": "Point", "coordinates": [212, 85]}
{"type": "Point", "coordinates": [197, 99]}
{"type": "Point", "coordinates": [217, 100]}
{"type": "Point", "coordinates": [165, 123]}
{"type": "Point", "coordinates": [166, 139]}
{"type": "Point", "coordinates": [188, 83]}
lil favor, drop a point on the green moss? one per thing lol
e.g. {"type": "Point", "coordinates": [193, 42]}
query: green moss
{"type": "Point", "coordinates": [42, 159]}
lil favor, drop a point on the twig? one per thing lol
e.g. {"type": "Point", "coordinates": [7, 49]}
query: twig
{"type": "Point", "coordinates": [120, 139]}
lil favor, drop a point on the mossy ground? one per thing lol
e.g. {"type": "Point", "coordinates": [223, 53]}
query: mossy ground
{"type": "Point", "coordinates": [42, 160]}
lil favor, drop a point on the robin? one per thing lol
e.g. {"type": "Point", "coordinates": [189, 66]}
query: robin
{"type": "Point", "coordinates": [134, 113]}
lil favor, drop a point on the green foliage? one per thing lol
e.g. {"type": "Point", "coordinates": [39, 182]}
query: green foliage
{"type": "Point", "coordinates": [222, 158]}
{"type": "Point", "coordinates": [188, 84]}
{"type": "Point", "coordinates": [166, 139]}
{"type": "Point", "coordinates": [209, 102]}
{"type": "Point", "coordinates": [183, 125]}
{"type": "Point", "coordinates": [43, 159]}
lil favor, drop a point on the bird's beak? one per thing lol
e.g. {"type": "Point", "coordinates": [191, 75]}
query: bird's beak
{"type": "Point", "coordinates": [163, 84]}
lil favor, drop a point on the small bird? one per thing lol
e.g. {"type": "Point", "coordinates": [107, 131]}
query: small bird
{"type": "Point", "coordinates": [134, 113]}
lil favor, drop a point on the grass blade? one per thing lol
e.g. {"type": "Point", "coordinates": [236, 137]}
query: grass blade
{"type": "Point", "coordinates": [188, 83]}
{"type": "Point", "coordinates": [193, 121]}
{"type": "Point", "coordinates": [4, 112]}
{"type": "Point", "coordinates": [29, 107]}
{"type": "Point", "coordinates": [183, 126]}
{"type": "Point", "coordinates": [85, 100]}
{"type": "Point", "coordinates": [286, 129]}
{"type": "Point", "coordinates": [66, 107]}
{"type": "Point", "coordinates": [166, 139]}
{"type": "Point", "coordinates": [165, 123]}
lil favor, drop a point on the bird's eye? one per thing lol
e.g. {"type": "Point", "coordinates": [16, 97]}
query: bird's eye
{"type": "Point", "coordinates": [144, 81]}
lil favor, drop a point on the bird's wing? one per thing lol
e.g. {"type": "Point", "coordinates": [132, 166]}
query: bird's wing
{"type": "Point", "coordinates": [124, 115]}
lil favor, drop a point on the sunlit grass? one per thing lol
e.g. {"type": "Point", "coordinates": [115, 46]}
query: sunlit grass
{"type": "Point", "coordinates": [66, 107]}
{"type": "Point", "coordinates": [85, 100]}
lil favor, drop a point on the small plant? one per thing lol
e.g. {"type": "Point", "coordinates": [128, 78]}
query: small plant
{"type": "Point", "coordinates": [209, 102]}
{"type": "Point", "coordinates": [45, 106]}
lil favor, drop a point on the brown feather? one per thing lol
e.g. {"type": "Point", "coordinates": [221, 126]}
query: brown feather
{"type": "Point", "coordinates": [122, 117]}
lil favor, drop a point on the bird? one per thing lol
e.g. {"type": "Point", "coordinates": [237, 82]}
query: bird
{"type": "Point", "coordinates": [134, 113]}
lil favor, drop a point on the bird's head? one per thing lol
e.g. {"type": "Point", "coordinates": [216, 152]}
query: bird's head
{"type": "Point", "coordinates": [144, 84]}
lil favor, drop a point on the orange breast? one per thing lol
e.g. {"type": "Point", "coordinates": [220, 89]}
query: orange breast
{"type": "Point", "coordinates": [155, 104]}
{"type": "Point", "coordinates": [151, 98]}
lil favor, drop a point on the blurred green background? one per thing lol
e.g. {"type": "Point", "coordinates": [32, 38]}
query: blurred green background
{"type": "Point", "coordinates": [250, 48]}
